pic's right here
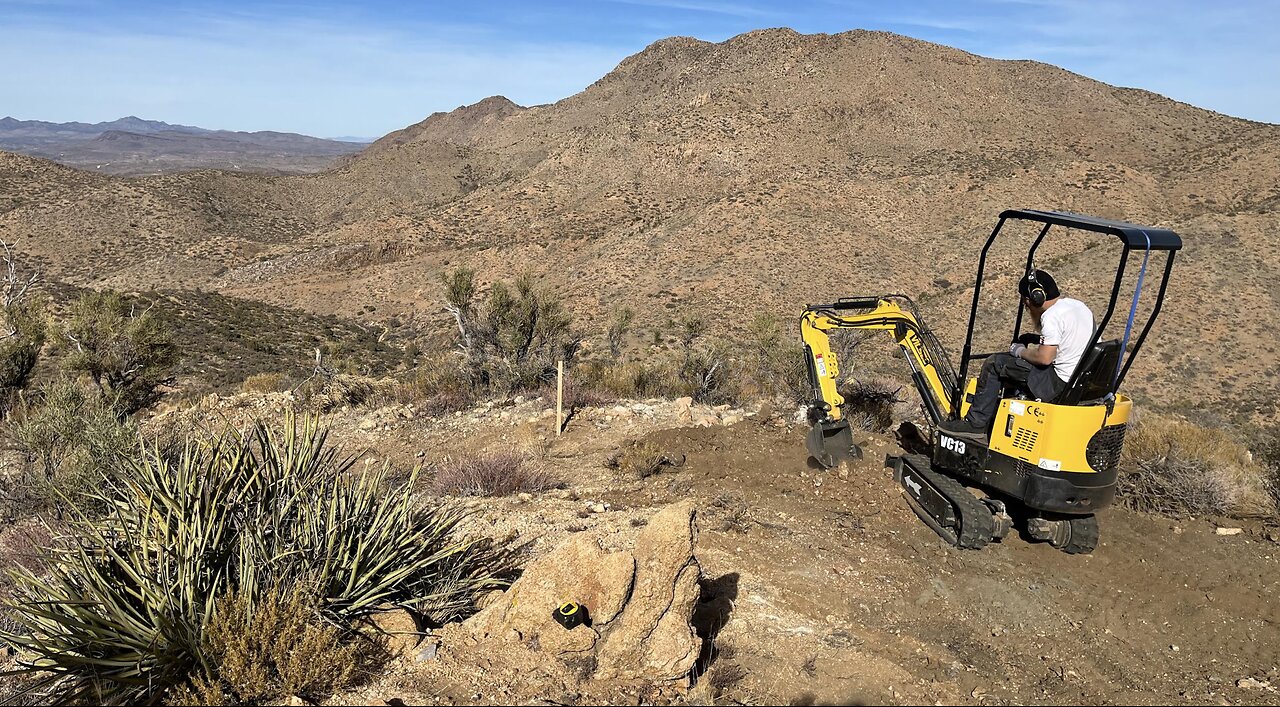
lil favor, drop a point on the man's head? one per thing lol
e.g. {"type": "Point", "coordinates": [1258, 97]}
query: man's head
{"type": "Point", "coordinates": [1037, 287]}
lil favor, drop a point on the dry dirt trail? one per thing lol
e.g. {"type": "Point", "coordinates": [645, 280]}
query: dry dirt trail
{"type": "Point", "coordinates": [825, 588]}
{"type": "Point", "coordinates": [844, 596]}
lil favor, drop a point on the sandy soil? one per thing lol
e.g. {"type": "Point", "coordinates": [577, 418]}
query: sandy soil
{"type": "Point", "coordinates": [822, 587]}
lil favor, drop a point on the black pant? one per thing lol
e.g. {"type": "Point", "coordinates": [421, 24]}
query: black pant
{"type": "Point", "coordinates": [1005, 369]}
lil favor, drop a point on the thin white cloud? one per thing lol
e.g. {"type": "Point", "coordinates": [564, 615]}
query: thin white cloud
{"type": "Point", "coordinates": [720, 8]}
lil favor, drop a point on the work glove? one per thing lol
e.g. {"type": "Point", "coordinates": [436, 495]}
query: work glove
{"type": "Point", "coordinates": [1029, 338]}
{"type": "Point", "coordinates": [1016, 350]}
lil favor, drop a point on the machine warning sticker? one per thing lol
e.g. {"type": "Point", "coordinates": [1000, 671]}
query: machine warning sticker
{"type": "Point", "coordinates": [822, 366]}
{"type": "Point", "coordinates": [1018, 408]}
{"type": "Point", "coordinates": [1050, 464]}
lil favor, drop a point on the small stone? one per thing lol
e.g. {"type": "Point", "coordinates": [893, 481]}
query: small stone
{"type": "Point", "coordinates": [524, 497]}
{"type": "Point", "coordinates": [1229, 531]}
{"type": "Point", "coordinates": [428, 652]}
{"type": "Point", "coordinates": [368, 423]}
{"type": "Point", "coordinates": [1254, 684]}
{"type": "Point", "coordinates": [518, 399]}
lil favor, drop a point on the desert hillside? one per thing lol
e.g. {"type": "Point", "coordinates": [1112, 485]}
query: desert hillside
{"type": "Point", "coordinates": [751, 175]}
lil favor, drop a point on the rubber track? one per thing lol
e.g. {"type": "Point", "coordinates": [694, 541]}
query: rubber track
{"type": "Point", "coordinates": [976, 523]}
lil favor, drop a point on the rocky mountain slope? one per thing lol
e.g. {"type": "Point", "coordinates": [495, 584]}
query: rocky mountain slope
{"type": "Point", "coordinates": [752, 175]}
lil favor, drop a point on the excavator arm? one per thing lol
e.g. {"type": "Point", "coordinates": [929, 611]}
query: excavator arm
{"type": "Point", "coordinates": [831, 439]}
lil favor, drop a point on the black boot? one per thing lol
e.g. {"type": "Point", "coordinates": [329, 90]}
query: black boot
{"type": "Point", "coordinates": [963, 426]}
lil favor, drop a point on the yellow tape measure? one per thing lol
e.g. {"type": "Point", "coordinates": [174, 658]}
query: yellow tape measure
{"type": "Point", "coordinates": [571, 614]}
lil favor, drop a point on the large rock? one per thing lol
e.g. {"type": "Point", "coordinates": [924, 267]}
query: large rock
{"type": "Point", "coordinates": [653, 637]}
{"type": "Point", "coordinates": [640, 604]}
{"type": "Point", "coordinates": [579, 571]}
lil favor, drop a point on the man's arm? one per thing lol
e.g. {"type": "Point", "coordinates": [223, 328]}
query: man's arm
{"type": "Point", "coordinates": [1041, 355]}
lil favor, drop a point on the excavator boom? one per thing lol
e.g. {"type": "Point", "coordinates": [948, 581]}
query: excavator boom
{"type": "Point", "coordinates": [831, 440]}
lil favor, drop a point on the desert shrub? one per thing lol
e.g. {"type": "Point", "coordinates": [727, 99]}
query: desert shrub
{"type": "Point", "coordinates": [127, 354]}
{"type": "Point", "coordinates": [619, 327]}
{"type": "Point", "coordinates": [513, 339]}
{"type": "Point", "coordinates": [627, 380]}
{"type": "Point", "coordinates": [1178, 468]}
{"type": "Point", "coordinates": [493, 474]}
{"type": "Point", "coordinates": [707, 376]}
{"type": "Point", "coordinates": [326, 392]}
{"type": "Point", "coordinates": [75, 439]}
{"type": "Point", "coordinates": [1268, 456]}
{"type": "Point", "coordinates": [869, 405]}
{"type": "Point", "coordinates": [777, 362]}
{"type": "Point", "coordinates": [437, 387]}
{"type": "Point", "coordinates": [579, 395]}
{"type": "Point", "coordinates": [124, 612]}
{"type": "Point", "coordinates": [265, 383]}
{"type": "Point", "coordinates": [642, 459]}
{"type": "Point", "coordinates": [22, 327]}
{"type": "Point", "coordinates": [263, 648]}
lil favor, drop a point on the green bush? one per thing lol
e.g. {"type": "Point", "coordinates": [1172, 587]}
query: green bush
{"type": "Point", "coordinates": [127, 354]}
{"type": "Point", "coordinates": [76, 440]}
{"type": "Point", "coordinates": [124, 613]}
{"type": "Point", "coordinates": [24, 326]}
{"type": "Point", "coordinates": [513, 339]}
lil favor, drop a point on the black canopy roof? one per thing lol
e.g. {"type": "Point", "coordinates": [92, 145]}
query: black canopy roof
{"type": "Point", "coordinates": [1133, 235]}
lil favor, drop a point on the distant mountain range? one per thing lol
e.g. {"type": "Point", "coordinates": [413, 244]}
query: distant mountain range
{"type": "Point", "coordinates": [134, 146]}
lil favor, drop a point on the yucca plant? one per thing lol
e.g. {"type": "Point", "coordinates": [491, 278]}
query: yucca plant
{"type": "Point", "coordinates": [123, 613]}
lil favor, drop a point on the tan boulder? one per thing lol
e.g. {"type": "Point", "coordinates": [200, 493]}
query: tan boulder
{"type": "Point", "coordinates": [578, 571]}
{"type": "Point", "coordinates": [653, 637]}
{"type": "Point", "coordinates": [398, 628]}
{"type": "Point", "coordinates": [640, 604]}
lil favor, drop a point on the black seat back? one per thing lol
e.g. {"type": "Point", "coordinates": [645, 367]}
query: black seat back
{"type": "Point", "coordinates": [1097, 374]}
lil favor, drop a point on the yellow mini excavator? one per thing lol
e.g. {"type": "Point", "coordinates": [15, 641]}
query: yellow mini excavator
{"type": "Point", "coordinates": [1051, 464]}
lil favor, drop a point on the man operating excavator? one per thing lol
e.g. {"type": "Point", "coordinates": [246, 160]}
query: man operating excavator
{"type": "Point", "coordinates": [1040, 364]}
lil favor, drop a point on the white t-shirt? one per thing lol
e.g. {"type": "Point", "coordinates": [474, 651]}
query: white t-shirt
{"type": "Point", "coordinates": [1068, 324]}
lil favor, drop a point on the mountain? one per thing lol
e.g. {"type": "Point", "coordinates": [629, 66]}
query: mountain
{"type": "Point", "coordinates": [133, 146]}
{"type": "Point", "coordinates": [727, 180]}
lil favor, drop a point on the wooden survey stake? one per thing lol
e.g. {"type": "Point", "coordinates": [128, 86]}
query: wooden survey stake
{"type": "Point", "coordinates": [559, 397]}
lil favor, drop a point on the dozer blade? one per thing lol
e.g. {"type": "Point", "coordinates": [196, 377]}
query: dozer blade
{"type": "Point", "coordinates": [832, 442]}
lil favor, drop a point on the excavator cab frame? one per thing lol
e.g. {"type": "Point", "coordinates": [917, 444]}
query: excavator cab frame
{"type": "Point", "coordinates": [1055, 459]}
{"type": "Point", "coordinates": [1143, 239]}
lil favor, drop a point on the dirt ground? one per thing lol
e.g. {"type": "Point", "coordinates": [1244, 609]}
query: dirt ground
{"type": "Point", "coordinates": [823, 588]}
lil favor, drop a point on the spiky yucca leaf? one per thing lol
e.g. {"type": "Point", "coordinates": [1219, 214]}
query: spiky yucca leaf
{"type": "Point", "coordinates": [122, 615]}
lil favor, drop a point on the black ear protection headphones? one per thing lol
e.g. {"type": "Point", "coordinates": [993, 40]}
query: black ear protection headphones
{"type": "Point", "coordinates": [1035, 292]}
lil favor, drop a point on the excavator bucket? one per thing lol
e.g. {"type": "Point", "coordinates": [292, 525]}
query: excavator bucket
{"type": "Point", "coordinates": [832, 442]}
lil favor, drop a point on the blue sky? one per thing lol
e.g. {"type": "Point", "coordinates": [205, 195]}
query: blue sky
{"type": "Point", "coordinates": [329, 68]}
